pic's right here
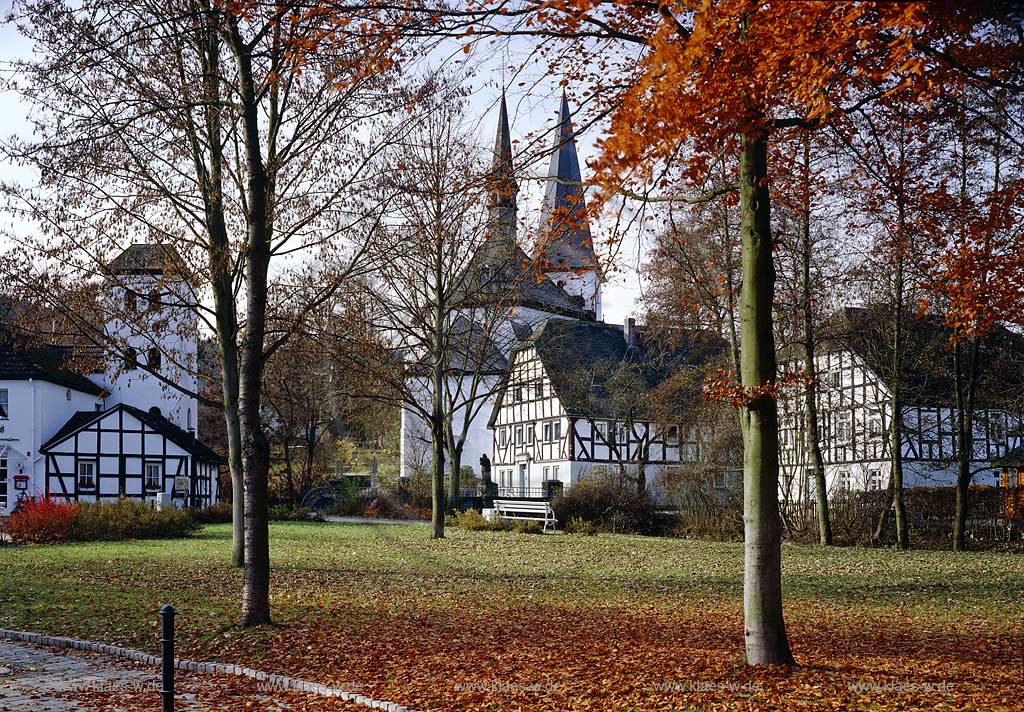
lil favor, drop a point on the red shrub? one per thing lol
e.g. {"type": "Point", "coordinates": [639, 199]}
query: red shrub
{"type": "Point", "coordinates": [41, 521]}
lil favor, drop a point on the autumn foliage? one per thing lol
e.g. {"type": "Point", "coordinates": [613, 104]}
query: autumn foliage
{"type": "Point", "coordinates": [41, 521]}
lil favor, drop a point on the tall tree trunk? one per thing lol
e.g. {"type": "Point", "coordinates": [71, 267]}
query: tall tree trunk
{"type": "Point", "coordinates": [810, 389]}
{"type": "Point", "coordinates": [221, 269]}
{"type": "Point", "coordinates": [255, 445]}
{"type": "Point", "coordinates": [896, 417]}
{"type": "Point", "coordinates": [437, 469]}
{"type": "Point", "coordinates": [966, 378]}
{"type": "Point", "coordinates": [765, 628]}
{"type": "Point", "coordinates": [455, 478]}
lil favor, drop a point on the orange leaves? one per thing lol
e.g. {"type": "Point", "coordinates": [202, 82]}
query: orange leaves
{"type": "Point", "coordinates": [721, 386]}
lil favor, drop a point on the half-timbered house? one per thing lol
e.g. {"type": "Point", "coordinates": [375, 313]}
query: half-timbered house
{"type": "Point", "coordinates": [577, 401]}
{"type": "Point", "coordinates": [854, 398]}
{"type": "Point", "coordinates": [121, 430]}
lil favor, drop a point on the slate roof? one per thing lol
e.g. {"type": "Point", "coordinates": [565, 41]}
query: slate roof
{"type": "Point", "coordinates": [143, 258]}
{"type": "Point", "coordinates": [926, 369]}
{"type": "Point", "coordinates": [186, 441]}
{"type": "Point", "coordinates": [565, 243]}
{"type": "Point", "coordinates": [579, 357]}
{"type": "Point", "coordinates": [46, 363]}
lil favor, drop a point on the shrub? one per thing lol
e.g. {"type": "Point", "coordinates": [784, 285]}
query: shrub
{"type": "Point", "coordinates": [702, 510]}
{"type": "Point", "coordinates": [130, 519]}
{"type": "Point", "coordinates": [528, 526]}
{"type": "Point", "coordinates": [611, 506]}
{"type": "Point", "coordinates": [473, 521]}
{"type": "Point", "coordinates": [288, 513]}
{"type": "Point", "coordinates": [41, 521]}
{"type": "Point", "coordinates": [575, 525]}
{"type": "Point", "coordinates": [219, 513]}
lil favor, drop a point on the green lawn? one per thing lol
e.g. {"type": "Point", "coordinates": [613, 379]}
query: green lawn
{"type": "Point", "coordinates": [601, 621]}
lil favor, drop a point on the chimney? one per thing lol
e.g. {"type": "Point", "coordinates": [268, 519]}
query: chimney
{"type": "Point", "coordinates": [629, 331]}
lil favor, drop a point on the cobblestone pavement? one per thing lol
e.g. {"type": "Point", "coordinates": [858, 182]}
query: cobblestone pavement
{"type": "Point", "coordinates": [46, 679]}
{"type": "Point", "coordinates": [37, 678]}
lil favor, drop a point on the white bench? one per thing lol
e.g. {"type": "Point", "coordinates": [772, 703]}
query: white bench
{"type": "Point", "coordinates": [531, 511]}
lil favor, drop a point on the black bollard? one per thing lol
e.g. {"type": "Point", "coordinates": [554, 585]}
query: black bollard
{"type": "Point", "coordinates": [167, 655]}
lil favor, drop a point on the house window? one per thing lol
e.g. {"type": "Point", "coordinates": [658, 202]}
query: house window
{"type": "Point", "coordinates": [558, 430]}
{"type": "Point", "coordinates": [996, 430]}
{"type": "Point", "coordinates": [519, 436]}
{"type": "Point", "coordinates": [836, 378]}
{"type": "Point", "coordinates": [548, 431]}
{"type": "Point", "coordinates": [602, 431]}
{"type": "Point", "coordinates": [845, 480]}
{"type": "Point", "coordinates": [131, 304]}
{"type": "Point", "coordinates": [844, 427]}
{"type": "Point", "coordinates": [131, 358]}
{"type": "Point", "coordinates": [547, 473]}
{"type": "Point", "coordinates": [153, 359]}
{"type": "Point", "coordinates": [875, 428]}
{"type": "Point", "coordinates": [538, 389]}
{"type": "Point", "coordinates": [531, 434]}
{"type": "Point", "coordinates": [503, 437]}
{"type": "Point", "coordinates": [87, 474]}
{"type": "Point", "coordinates": [154, 475]}
{"type": "Point", "coordinates": [673, 435]}
{"type": "Point", "coordinates": [4, 410]}
{"type": "Point", "coordinates": [154, 301]}
{"type": "Point", "coordinates": [874, 479]}
{"type": "Point", "coordinates": [554, 472]}
{"type": "Point", "coordinates": [623, 435]}
{"type": "Point", "coordinates": [517, 394]}
{"type": "Point", "coordinates": [3, 483]}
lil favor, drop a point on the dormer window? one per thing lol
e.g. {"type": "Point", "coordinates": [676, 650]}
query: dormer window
{"type": "Point", "coordinates": [4, 412]}
{"type": "Point", "coordinates": [131, 358]}
{"type": "Point", "coordinates": [154, 301]}
{"type": "Point", "coordinates": [131, 303]}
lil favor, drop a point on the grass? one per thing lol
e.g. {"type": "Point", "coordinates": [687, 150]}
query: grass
{"type": "Point", "coordinates": [400, 613]}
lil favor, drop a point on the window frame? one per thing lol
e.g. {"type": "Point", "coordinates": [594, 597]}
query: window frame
{"type": "Point", "coordinates": [145, 475]}
{"type": "Point", "coordinates": [5, 404]}
{"type": "Point", "coordinates": [94, 475]}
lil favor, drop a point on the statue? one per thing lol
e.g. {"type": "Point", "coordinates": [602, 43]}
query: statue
{"type": "Point", "coordinates": [485, 469]}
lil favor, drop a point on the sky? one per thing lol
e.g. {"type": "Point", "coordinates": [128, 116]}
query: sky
{"type": "Point", "coordinates": [533, 102]}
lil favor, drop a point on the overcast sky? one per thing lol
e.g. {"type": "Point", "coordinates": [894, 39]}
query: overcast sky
{"type": "Point", "coordinates": [533, 103]}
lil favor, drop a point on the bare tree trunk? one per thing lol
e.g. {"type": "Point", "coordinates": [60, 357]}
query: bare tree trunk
{"type": "Point", "coordinates": [255, 445]}
{"type": "Point", "coordinates": [286, 445]}
{"type": "Point", "coordinates": [896, 419]}
{"type": "Point", "coordinates": [455, 479]}
{"type": "Point", "coordinates": [810, 389]}
{"type": "Point", "coordinates": [219, 257]}
{"type": "Point", "coordinates": [966, 382]}
{"type": "Point", "coordinates": [765, 628]}
{"type": "Point", "coordinates": [437, 469]}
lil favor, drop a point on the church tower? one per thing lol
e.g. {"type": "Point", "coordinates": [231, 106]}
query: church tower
{"type": "Point", "coordinates": [565, 248]}
{"type": "Point", "coordinates": [156, 333]}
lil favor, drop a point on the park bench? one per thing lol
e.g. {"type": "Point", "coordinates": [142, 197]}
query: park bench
{"type": "Point", "coordinates": [532, 511]}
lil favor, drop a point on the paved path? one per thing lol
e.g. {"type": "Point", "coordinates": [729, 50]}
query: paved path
{"type": "Point", "coordinates": [37, 679]}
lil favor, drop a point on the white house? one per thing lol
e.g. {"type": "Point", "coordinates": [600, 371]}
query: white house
{"type": "Point", "coordinates": [855, 408]}
{"type": "Point", "coordinates": [575, 403]}
{"type": "Point", "coordinates": [118, 432]}
{"type": "Point", "coordinates": [562, 279]}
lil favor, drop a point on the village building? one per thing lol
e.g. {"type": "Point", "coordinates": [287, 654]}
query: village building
{"type": "Point", "coordinates": [121, 431]}
{"type": "Point", "coordinates": [854, 402]}
{"type": "Point", "coordinates": [584, 399]}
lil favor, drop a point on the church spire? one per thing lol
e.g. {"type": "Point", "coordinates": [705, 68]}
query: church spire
{"type": "Point", "coordinates": [565, 241]}
{"type": "Point", "coordinates": [503, 189]}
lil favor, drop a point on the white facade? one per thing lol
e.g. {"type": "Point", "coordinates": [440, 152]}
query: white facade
{"type": "Point", "coordinates": [35, 410]}
{"type": "Point", "coordinates": [854, 411]}
{"type": "Point", "coordinates": [164, 333]}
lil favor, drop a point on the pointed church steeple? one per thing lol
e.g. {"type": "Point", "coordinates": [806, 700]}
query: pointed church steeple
{"type": "Point", "coordinates": [503, 188]}
{"type": "Point", "coordinates": [565, 243]}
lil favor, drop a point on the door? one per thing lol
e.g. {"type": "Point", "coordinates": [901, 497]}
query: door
{"type": "Point", "coordinates": [522, 480]}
